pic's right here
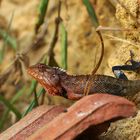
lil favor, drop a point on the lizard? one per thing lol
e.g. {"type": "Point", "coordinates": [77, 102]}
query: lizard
{"type": "Point", "coordinates": [56, 81]}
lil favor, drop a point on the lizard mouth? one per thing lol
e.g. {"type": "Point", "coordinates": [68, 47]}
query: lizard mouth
{"type": "Point", "coordinates": [35, 72]}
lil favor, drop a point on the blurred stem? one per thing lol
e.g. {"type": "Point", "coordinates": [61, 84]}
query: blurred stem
{"type": "Point", "coordinates": [33, 87]}
{"type": "Point", "coordinates": [32, 104]}
{"type": "Point", "coordinates": [42, 12]}
{"type": "Point", "coordinates": [54, 38]}
{"type": "Point", "coordinates": [7, 39]}
{"type": "Point", "coordinates": [35, 98]}
{"type": "Point", "coordinates": [63, 46]}
{"type": "Point", "coordinates": [42, 98]}
{"type": "Point", "coordinates": [102, 53]}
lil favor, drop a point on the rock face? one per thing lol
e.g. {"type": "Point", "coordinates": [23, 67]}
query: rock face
{"type": "Point", "coordinates": [127, 13]}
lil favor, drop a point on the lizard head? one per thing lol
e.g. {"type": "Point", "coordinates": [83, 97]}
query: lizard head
{"type": "Point", "coordinates": [47, 76]}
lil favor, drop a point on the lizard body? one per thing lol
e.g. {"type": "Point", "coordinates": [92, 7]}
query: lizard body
{"type": "Point", "coordinates": [58, 82]}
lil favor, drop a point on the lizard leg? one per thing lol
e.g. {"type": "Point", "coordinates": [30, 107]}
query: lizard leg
{"type": "Point", "coordinates": [118, 73]}
{"type": "Point", "coordinates": [134, 66]}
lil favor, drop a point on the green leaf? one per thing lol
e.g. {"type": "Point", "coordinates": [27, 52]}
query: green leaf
{"type": "Point", "coordinates": [42, 12]}
{"type": "Point", "coordinates": [33, 103]}
{"type": "Point", "coordinates": [8, 39]}
{"type": "Point", "coordinates": [91, 12]}
{"type": "Point", "coordinates": [63, 46]}
{"type": "Point", "coordinates": [36, 99]}
{"type": "Point", "coordinates": [18, 94]}
{"type": "Point", "coordinates": [6, 112]}
{"type": "Point", "coordinates": [32, 87]}
{"type": "Point", "coordinates": [10, 106]}
{"type": "Point", "coordinates": [1, 54]}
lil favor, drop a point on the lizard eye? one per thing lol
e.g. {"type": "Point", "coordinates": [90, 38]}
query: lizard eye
{"type": "Point", "coordinates": [54, 79]}
{"type": "Point", "coordinates": [51, 78]}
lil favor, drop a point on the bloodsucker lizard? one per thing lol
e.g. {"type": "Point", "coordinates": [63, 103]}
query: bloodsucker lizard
{"type": "Point", "coordinates": [57, 82]}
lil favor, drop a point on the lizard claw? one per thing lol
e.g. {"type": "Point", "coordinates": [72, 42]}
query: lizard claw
{"type": "Point", "coordinates": [131, 58]}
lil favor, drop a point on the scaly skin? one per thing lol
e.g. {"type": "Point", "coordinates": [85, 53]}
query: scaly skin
{"type": "Point", "coordinates": [58, 82]}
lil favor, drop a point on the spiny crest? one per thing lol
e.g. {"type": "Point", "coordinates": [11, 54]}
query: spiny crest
{"type": "Point", "coordinates": [58, 68]}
